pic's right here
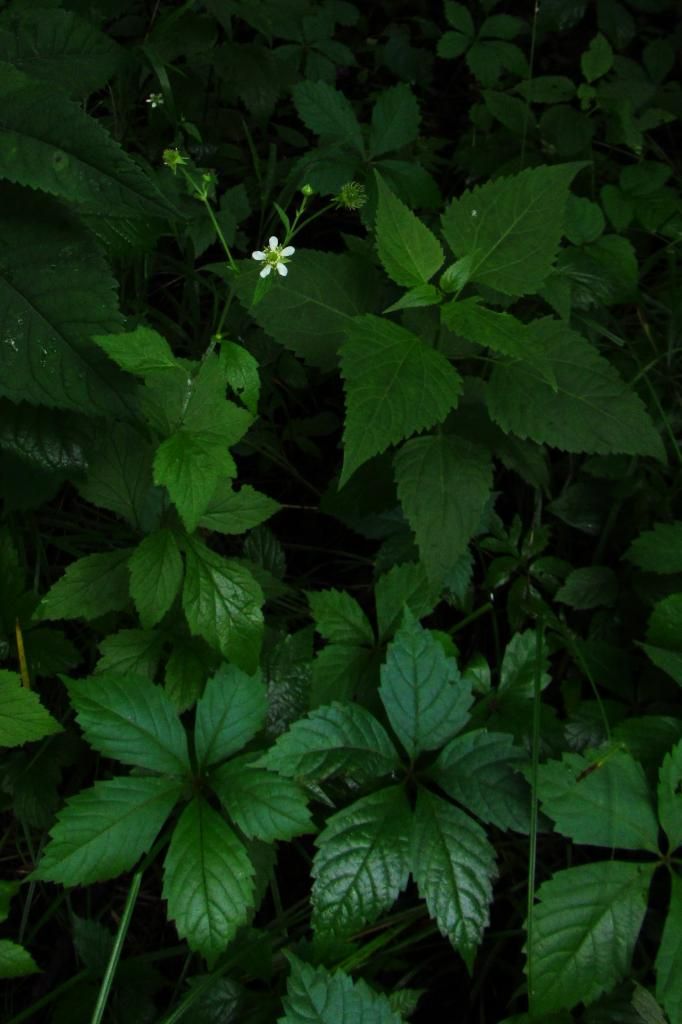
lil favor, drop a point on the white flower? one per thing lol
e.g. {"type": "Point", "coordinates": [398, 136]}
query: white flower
{"type": "Point", "coordinates": [275, 256]}
{"type": "Point", "coordinates": [155, 99]}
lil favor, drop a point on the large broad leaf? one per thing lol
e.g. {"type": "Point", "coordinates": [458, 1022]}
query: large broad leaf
{"type": "Point", "coordinates": [669, 957]}
{"type": "Point", "coordinates": [337, 739]}
{"type": "Point", "coordinates": [508, 230]}
{"type": "Point", "coordinates": [189, 464]}
{"type": "Point", "coordinates": [362, 862]}
{"type": "Point", "coordinates": [50, 441]}
{"type": "Point", "coordinates": [119, 477]}
{"type": "Point", "coordinates": [318, 996]}
{"type": "Point", "coordinates": [328, 113]}
{"type": "Point", "coordinates": [229, 714]}
{"type": "Point", "coordinates": [425, 697]}
{"type": "Point", "coordinates": [658, 550]}
{"type": "Point", "coordinates": [454, 866]}
{"type": "Point", "coordinates": [339, 618]}
{"type": "Point", "coordinates": [90, 587]}
{"type": "Point", "coordinates": [47, 142]}
{"type": "Point", "coordinates": [262, 804]}
{"type": "Point", "coordinates": [222, 603]}
{"type": "Point", "coordinates": [132, 720]}
{"type": "Point", "coordinates": [409, 252]}
{"type": "Point", "coordinates": [591, 410]}
{"type": "Point", "coordinates": [395, 385]}
{"type": "Point", "coordinates": [584, 931]}
{"type": "Point", "coordinates": [443, 483]}
{"type": "Point", "coordinates": [55, 291]}
{"type": "Point", "coordinates": [22, 717]}
{"type": "Point", "coordinates": [230, 511]}
{"type": "Point", "coordinates": [670, 796]}
{"type": "Point", "coordinates": [155, 576]}
{"type": "Point", "coordinates": [103, 831]}
{"type": "Point", "coordinates": [395, 120]}
{"type": "Point", "coordinates": [603, 803]}
{"type": "Point", "coordinates": [477, 770]}
{"type": "Point", "coordinates": [207, 881]}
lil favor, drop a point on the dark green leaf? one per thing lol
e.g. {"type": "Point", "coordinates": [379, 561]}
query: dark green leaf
{"type": "Point", "coordinates": [262, 804]}
{"type": "Point", "coordinates": [659, 549]}
{"type": "Point", "coordinates": [339, 618]}
{"type": "Point", "coordinates": [229, 714]}
{"type": "Point", "coordinates": [230, 511]}
{"type": "Point", "coordinates": [90, 587]}
{"type": "Point", "coordinates": [22, 717]}
{"type": "Point", "coordinates": [670, 797]}
{"type": "Point", "coordinates": [318, 996]}
{"type": "Point", "coordinates": [409, 252]}
{"type": "Point", "coordinates": [155, 576]}
{"type": "Point", "coordinates": [668, 976]}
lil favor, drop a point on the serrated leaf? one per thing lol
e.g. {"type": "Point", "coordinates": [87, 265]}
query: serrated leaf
{"type": "Point", "coordinates": [670, 796]}
{"type": "Point", "coordinates": [403, 586]}
{"type": "Point", "coordinates": [590, 587]}
{"type": "Point", "coordinates": [339, 739]}
{"type": "Point", "coordinates": [229, 714]}
{"type": "Point", "coordinates": [328, 113]}
{"type": "Point", "coordinates": [409, 252]}
{"type": "Point", "coordinates": [22, 717]}
{"type": "Point", "coordinates": [103, 831]}
{"type": "Point", "coordinates": [119, 477]}
{"type": "Point", "coordinates": [340, 671]}
{"type": "Point", "coordinates": [511, 227]}
{"type": "Point", "coordinates": [339, 618]}
{"type": "Point", "coordinates": [658, 550]}
{"type": "Point", "coordinates": [597, 59]}
{"type": "Point", "coordinates": [362, 862]}
{"type": "Point", "coordinates": [415, 298]}
{"type": "Point", "coordinates": [453, 865]}
{"type": "Point", "coordinates": [189, 464]}
{"type": "Point", "coordinates": [520, 665]}
{"type": "Point", "coordinates": [262, 804]}
{"type": "Point", "coordinates": [477, 770]}
{"type": "Point", "coordinates": [230, 511]}
{"type": "Point", "coordinates": [395, 120]}
{"type": "Point", "coordinates": [134, 652]}
{"type": "Point", "coordinates": [90, 587]}
{"type": "Point", "coordinates": [141, 351]}
{"type": "Point", "coordinates": [318, 996]}
{"type": "Point", "coordinates": [51, 441]}
{"type": "Point", "coordinates": [425, 698]}
{"type": "Point", "coordinates": [15, 961]}
{"type": "Point", "coordinates": [591, 409]}
{"type": "Point", "coordinates": [241, 371]}
{"type": "Point", "coordinates": [155, 576]}
{"type": "Point", "coordinates": [207, 880]}
{"type": "Point", "coordinates": [585, 916]}
{"type": "Point", "coordinates": [49, 143]}
{"type": "Point", "coordinates": [132, 720]}
{"type": "Point", "coordinates": [603, 803]}
{"type": "Point", "coordinates": [222, 603]}
{"type": "Point", "coordinates": [444, 483]}
{"type": "Point", "coordinates": [664, 628]}
{"type": "Point", "coordinates": [395, 385]}
{"type": "Point", "coordinates": [668, 976]}
{"type": "Point", "coordinates": [185, 673]}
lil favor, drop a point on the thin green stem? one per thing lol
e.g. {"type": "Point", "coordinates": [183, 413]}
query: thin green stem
{"type": "Point", "coordinates": [126, 917]}
{"type": "Point", "coordinates": [533, 837]}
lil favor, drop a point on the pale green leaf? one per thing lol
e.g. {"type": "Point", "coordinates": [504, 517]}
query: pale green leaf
{"type": "Point", "coordinates": [339, 618]}
{"type": "Point", "coordinates": [584, 931]}
{"type": "Point", "coordinates": [155, 576]}
{"type": "Point", "coordinates": [207, 880]}
{"type": "Point", "coordinates": [222, 603]}
{"type": "Point", "coordinates": [670, 796]}
{"type": "Point", "coordinates": [328, 113]}
{"type": "Point", "coordinates": [15, 961]}
{"type": "Point", "coordinates": [189, 464]}
{"type": "Point", "coordinates": [669, 956]}
{"type": "Point", "coordinates": [395, 385]}
{"type": "Point", "coordinates": [103, 831]}
{"type": "Point", "coordinates": [132, 720]}
{"type": "Point", "coordinates": [362, 862]}
{"type": "Point", "coordinates": [141, 351]}
{"type": "Point", "coordinates": [511, 227]}
{"type": "Point", "coordinates": [444, 483]}
{"type": "Point", "coordinates": [395, 120]}
{"type": "Point", "coordinates": [409, 252]}
{"type": "Point", "coordinates": [659, 549]}
{"type": "Point", "coordinates": [229, 714]}
{"type": "Point", "coordinates": [425, 698]}
{"type": "Point", "coordinates": [262, 804]}
{"type": "Point", "coordinates": [318, 996]}
{"type": "Point", "coordinates": [22, 717]}
{"type": "Point", "coordinates": [90, 587]}
{"type": "Point", "coordinates": [230, 511]}
{"type": "Point", "coordinates": [403, 586]}
{"type": "Point", "coordinates": [453, 864]}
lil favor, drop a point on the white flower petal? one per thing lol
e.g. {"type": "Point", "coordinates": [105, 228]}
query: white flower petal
{"type": "Point", "coordinates": [282, 270]}
{"type": "Point", "coordinates": [258, 255]}
{"type": "Point", "coordinates": [265, 271]}
{"type": "Point", "coordinates": [288, 250]}
{"type": "Point", "coordinates": [272, 241]}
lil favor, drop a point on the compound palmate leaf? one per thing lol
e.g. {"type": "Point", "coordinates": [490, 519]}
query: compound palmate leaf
{"type": "Point", "coordinates": [261, 803]}
{"type": "Point", "coordinates": [155, 576]}
{"type": "Point", "coordinates": [318, 996]}
{"type": "Point", "coordinates": [584, 930]}
{"type": "Point", "coordinates": [22, 717]}
{"type": "Point", "coordinates": [409, 252]}
{"type": "Point", "coordinates": [90, 587]}
{"type": "Point", "coordinates": [395, 385]}
{"type": "Point", "coordinates": [362, 862]}
{"type": "Point", "coordinates": [104, 830]}
{"type": "Point", "coordinates": [229, 714]}
{"type": "Point", "coordinates": [669, 957]}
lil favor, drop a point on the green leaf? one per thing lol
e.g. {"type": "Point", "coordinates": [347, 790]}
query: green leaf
{"type": "Point", "coordinates": [409, 252]}
{"type": "Point", "coordinates": [520, 664]}
{"type": "Point", "coordinates": [591, 410]}
{"type": "Point", "coordinates": [478, 770]}
{"type": "Point", "coordinates": [423, 693]}
{"type": "Point", "coordinates": [415, 298]}
{"type": "Point", "coordinates": [222, 603]}
{"type": "Point", "coordinates": [667, 661]}
{"type": "Point", "coordinates": [362, 862]}
{"type": "Point", "coordinates": [155, 576]}
{"type": "Point", "coordinates": [134, 652]}
{"type": "Point", "coordinates": [262, 804]}
{"type": "Point", "coordinates": [22, 717]}
{"type": "Point", "coordinates": [103, 831]}
{"type": "Point", "coordinates": [460, 18]}
{"type": "Point", "coordinates": [230, 511]}
{"type": "Point", "coordinates": [454, 866]}
{"type": "Point", "coordinates": [665, 623]}
{"type": "Point", "coordinates": [241, 371]}
{"type": "Point", "coordinates": [597, 59]}
{"type": "Point", "coordinates": [600, 801]}
{"type": "Point", "coordinates": [15, 961]}
{"type": "Point", "coordinates": [403, 586]}
{"type": "Point", "coordinates": [185, 673]}
{"type": "Point", "coordinates": [395, 120]}
{"type": "Point", "coordinates": [668, 958]}
{"type": "Point", "coordinates": [119, 478]}
{"type": "Point", "coordinates": [444, 483]}
{"type": "Point", "coordinates": [395, 386]}
{"type": "Point", "coordinates": [659, 549]}
{"type": "Point", "coordinates": [318, 996]}
{"type": "Point", "coordinates": [585, 915]}
{"type": "Point", "coordinates": [670, 796]}
{"type": "Point", "coordinates": [90, 587]}
{"type": "Point", "coordinates": [229, 714]}
{"type": "Point", "coordinates": [132, 720]}
{"type": "Point", "coordinates": [339, 618]}
{"type": "Point", "coordinates": [339, 739]}
{"type": "Point", "coordinates": [55, 291]}
{"type": "Point", "coordinates": [141, 351]}
{"type": "Point", "coordinates": [511, 227]}
{"type": "Point", "coordinates": [189, 464]}
{"type": "Point", "coordinates": [340, 671]}
{"type": "Point", "coordinates": [328, 113]}
{"type": "Point", "coordinates": [51, 441]}
{"type": "Point", "coordinates": [7, 891]}
{"type": "Point", "coordinates": [47, 142]}
{"type": "Point", "coordinates": [590, 587]}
